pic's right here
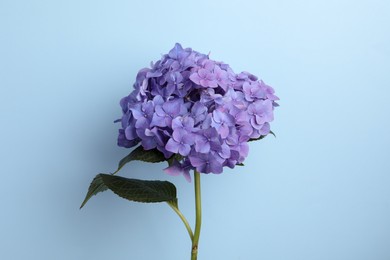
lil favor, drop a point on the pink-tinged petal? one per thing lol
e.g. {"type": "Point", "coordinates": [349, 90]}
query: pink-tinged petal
{"type": "Point", "coordinates": [173, 170]}
{"type": "Point", "coordinates": [204, 83]}
{"type": "Point", "coordinates": [222, 76]}
{"type": "Point", "coordinates": [224, 131]}
{"type": "Point", "coordinates": [195, 78]}
{"type": "Point", "coordinates": [172, 146]}
{"type": "Point", "coordinates": [242, 117]}
{"type": "Point", "coordinates": [213, 83]}
{"type": "Point", "coordinates": [208, 64]}
{"type": "Point", "coordinates": [203, 73]}
{"type": "Point", "coordinates": [187, 176]}
{"type": "Point", "coordinates": [211, 77]}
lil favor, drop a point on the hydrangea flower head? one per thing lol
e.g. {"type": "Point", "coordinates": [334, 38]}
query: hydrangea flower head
{"type": "Point", "coordinates": [196, 111]}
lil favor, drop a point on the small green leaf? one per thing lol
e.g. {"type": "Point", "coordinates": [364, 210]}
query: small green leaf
{"type": "Point", "coordinates": [175, 157]}
{"type": "Point", "coordinates": [256, 139]}
{"type": "Point", "coordinates": [139, 154]}
{"type": "Point", "coordinates": [261, 137]}
{"type": "Point", "coordinates": [239, 164]}
{"type": "Point", "coordinates": [135, 190]}
{"type": "Point", "coordinates": [171, 160]}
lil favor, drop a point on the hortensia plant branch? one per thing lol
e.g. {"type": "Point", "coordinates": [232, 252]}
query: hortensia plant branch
{"type": "Point", "coordinates": [197, 115]}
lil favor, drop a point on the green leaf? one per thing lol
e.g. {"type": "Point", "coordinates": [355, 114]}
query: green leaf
{"type": "Point", "coordinates": [261, 137]}
{"type": "Point", "coordinates": [256, 139]}
{"type": "Point", "coordinates": [134, 190]}
{"type": "Point", "coordinates": [239, 164]}
{"type": "Point", "coordinates": [174, 157]}
{"type": "Point", "coordinates": [139, 154]}
{"type": "Point", "coordinates": [95, 187]}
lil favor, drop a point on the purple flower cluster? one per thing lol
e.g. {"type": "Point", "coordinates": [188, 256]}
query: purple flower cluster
{"type": "Point", "coordinates": [196, 111]}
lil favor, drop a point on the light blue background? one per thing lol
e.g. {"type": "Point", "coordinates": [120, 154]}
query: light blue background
{"type": "Point", "coordinates": [318, 191]}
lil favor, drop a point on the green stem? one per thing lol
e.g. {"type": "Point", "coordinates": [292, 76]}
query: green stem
{"type": "Point", "coordinates": [198, 221]}
{"type": "Point", "coordinates": [178, 212]}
